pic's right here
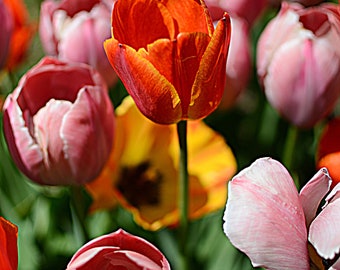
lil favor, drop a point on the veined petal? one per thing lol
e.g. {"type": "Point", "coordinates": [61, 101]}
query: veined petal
{"type": "Point", "coordinates": [154, 95]}
{"type": "Point", "coordinates": [313, 192]}
{"type": "Point", "coordinates": [190, 16]}
{"type": "Point", "coordinates": [264, 218]}
{"type": "Point", "coordinates": [140, 22]}
{"type": "Point", "coordinates": [209, 83]}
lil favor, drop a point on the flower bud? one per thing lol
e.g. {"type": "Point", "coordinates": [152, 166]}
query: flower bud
{"type": "Point", "coordinates": [58, 123]}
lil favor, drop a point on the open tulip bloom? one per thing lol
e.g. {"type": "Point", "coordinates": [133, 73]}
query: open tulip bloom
{"type": "Point", "coordinates": [169, 57]}
{"type": "Point", "coordinates": [279, 228]}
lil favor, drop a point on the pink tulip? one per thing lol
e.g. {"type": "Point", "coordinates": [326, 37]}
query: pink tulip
{"type": "Point", "coordinates": [118, 250]}
{"type": "Point", "coordinates": [249, 10]}
{"type": "Point", "coordinates": [273, 224]}
{"type": "Point", "coordinates": [238, 64]}
{"type": "Point", "coordinates": [298, 62]}
{"type": "Point", "coordinates": [6, 28]}
{"type": "Point", "coordinates": [58, 123]}
{"type": "Point", "coordinates": [74, 30]}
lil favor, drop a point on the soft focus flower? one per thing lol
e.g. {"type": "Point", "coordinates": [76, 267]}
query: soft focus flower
{"type": "Point", "coordinates": [328, 151]}
{"type": "Point", "coordinates": [171, 60]}
{"type": "Point", "coordinates": [249, 10]}
{"type": "Point", "coordinates": [22, 32]}
{"type": "Point", "coordinates": [142, 172]}
{"type": "Point", "coordinates": [74, 30]}
{"type": "Point", "coordinates": [8, 245]}
{"type": "Point", "coordinates": [239, 58]}
{"type": "Point", "coordinates": [298, 62]}
{"type": "Point", "coordinates": [6, 28]}
{"type": "Point", "coordinates": [303, 2]}
{"type": "Point", "coordinates": [118, 250]}
{"type": "Point", "coordinates": [58, 123]}
{"type": "Point", "coordinates": [279, 228]}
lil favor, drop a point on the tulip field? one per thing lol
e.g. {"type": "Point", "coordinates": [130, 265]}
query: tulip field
{"type": "Point", "coordinates": [167, 134]}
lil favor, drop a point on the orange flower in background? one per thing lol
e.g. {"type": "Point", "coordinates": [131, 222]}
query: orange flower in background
{"type": "Point", "coordinates": [169, 57]}
{"type": "Point", "coordinates": [142, 172]}
{"type": "Point", "coordinates": [328, 151]}
{"type": "Point", "coordinates": [8, 245]}
{"type": "Point", "coordinates": [22, 32]}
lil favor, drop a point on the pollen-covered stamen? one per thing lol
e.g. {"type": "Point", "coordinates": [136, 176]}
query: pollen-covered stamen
{"type": "Point", "coordinates": [140, 184]}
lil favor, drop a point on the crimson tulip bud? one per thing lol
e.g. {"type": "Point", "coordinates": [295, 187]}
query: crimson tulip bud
{"type": "Point", "coordinates": [74, 30]}
{"type": "Point", "coordinates": [171, 59]}
{"type": "Point", "coordinates": [58, 123]}
{"type": "Point", "coordinates": [298, 62]}
{"type": "Point", "coordinates": [118, 250]}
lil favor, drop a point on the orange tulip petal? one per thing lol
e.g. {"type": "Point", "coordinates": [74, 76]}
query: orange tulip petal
{"type": "Point", "coordinates": [210, 79]}
{"type": "Point", "coordinates": [152, 92]}
{"type": "Point", "coordinates": [141, 22]}
{"type": "Point", "coordinates": [190, 16]}
{"type": "Point", "coordinates": [8, 245]}
{"type": "Point", "coordinates": [332, 163]}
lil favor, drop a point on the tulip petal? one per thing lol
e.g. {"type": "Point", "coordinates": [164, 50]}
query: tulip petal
{"type": "Point", "coordinates": [8, 245]}
{"type": "Point", "coordinates": [208, 87]}
{"type": "Point", "coordinates": [23, 147]}
{"type": "Point", "coordinates": [313, 192]}
{"type": "Point", "coordinates": [130, 27]}
{"type": "Point", "coordinates": [87, 115]}
{"type": "Point", "coordinates": [324, 232]}
{"type": "Point", "coordinates": [264, 217]}
{"type": "Point", "coordinates": [47, 124]}
{"type": "Point", "coordinates": [154, 95]}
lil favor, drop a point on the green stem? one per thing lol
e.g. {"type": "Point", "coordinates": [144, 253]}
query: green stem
{"type": "Point", "coordinates": [288, 152]}
{"type": "Point", "coordinates": [183, 198]}
{"type": "Point", "coordinates": [79, 211]}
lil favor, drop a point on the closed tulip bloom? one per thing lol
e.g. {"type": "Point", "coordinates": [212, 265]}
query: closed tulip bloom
{"type": "Point", "coordinates": [58, 123]}
{"type": "Point", "coordinates": [74, 30]}
{"type": "Point", "coordinates": [170, 59]}
{"type": "Point", "coordinates": [298, 62]}
{"type": "Point", "coordinates": [8, 245]}
{"type": "Point", "coordinates": [6, 29]}
{"type": "Point", "coordinates": [118, 250]}
{"type": "Point", "coordinates": [277, 226]}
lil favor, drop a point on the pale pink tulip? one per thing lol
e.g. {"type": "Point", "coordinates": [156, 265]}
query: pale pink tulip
{"type": "Point", "coordinates": [239, 63]}
{"type": "Point", "coordinates": [298, 62]}
{"type": "Point", "coordinates": [118, 250]}
{"type": "Point", "coordinates": [74, 30]}
{"type": "Point", "coordinates": [6, 28]}
{"type": "Point", "coordinates": [267, 219]}
{"type": "Point", "coordinates": [249, 10]}
{"type": "Point", "coordinates": [58, 123]}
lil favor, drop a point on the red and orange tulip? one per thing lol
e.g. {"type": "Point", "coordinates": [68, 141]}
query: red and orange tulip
{"type": "Point", "coordinates": [8, 245]}
{"type": "Point", "coordinates": [170, 58]}
{"type": "Point", "coordinates": [22, 33]}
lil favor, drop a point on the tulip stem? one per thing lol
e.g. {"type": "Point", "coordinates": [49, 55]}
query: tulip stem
{"type": "Point", "coordinates": [183, 198]}
{"type": "Point", "coordinates": [79, 212]}
{"type": "Point", "coordinates": [288, 152]}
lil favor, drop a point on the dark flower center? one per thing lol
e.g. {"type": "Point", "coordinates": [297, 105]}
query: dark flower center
{"type": "Point", "coordinates": [140, 184]}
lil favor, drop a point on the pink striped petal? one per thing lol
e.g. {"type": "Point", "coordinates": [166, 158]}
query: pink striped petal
{"type": "Point", "coordinates": [264, 218]}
